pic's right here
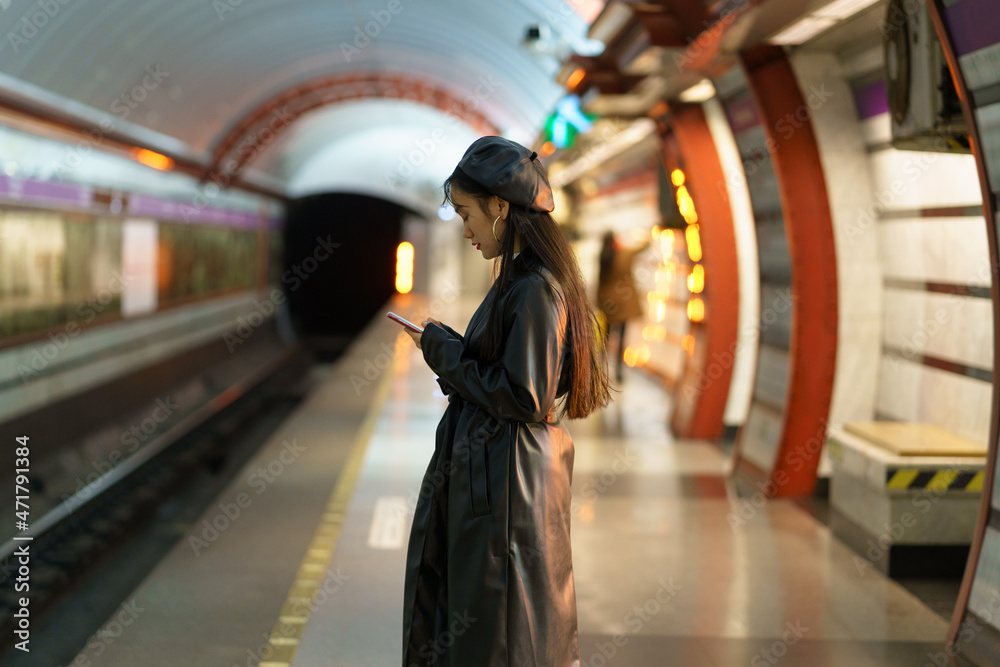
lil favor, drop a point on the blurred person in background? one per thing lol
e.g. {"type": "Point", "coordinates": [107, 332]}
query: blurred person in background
{"type": "Point", "coordinates": [617, 296]}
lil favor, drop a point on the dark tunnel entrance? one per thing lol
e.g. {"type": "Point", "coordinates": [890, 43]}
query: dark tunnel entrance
{"type": "Point", "coordinates": [339, 266]}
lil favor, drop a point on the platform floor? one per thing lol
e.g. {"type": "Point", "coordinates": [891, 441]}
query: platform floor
{"type": "Point", "coordinates": [665, 574]}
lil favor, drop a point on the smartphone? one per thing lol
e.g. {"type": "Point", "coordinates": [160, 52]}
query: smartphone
{"type": "Point", "coordinates": [406, 323]}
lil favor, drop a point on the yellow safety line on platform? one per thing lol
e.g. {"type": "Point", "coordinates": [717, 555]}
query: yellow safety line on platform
{"type": "Point", "coordinates": [287, 632]}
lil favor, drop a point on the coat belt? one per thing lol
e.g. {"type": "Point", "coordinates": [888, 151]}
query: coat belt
{"type": "Point", "coordinates": [549, 418]}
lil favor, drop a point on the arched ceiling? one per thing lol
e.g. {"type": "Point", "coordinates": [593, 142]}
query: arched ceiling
{"type": "Point", "coordinates": [219, 60]}
{"type": "Point", "coordinates": [393, 149]}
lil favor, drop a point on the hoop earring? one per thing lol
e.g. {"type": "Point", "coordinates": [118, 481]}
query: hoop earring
{"type": "Point", "coordinates": [495, 229]}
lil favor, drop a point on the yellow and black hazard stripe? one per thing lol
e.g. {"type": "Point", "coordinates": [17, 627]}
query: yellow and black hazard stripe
{"type": "Point", "coordinates": [904, 479]}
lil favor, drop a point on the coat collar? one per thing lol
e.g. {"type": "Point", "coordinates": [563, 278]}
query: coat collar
{"type": "Point", "coordinates": [526, 260]}
{"type": "Point", "coordinates": [525, 263]}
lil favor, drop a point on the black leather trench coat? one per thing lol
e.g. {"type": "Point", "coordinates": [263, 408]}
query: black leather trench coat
{"type": "Point", "coordinates": [489, 572]}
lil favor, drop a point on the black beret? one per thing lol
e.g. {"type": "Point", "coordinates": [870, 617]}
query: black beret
{"type": "Point", "coordinates": [508, 170]}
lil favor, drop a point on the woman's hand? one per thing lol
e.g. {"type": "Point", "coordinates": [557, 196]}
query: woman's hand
{"type": "Point", "coordinates": [414, 335]}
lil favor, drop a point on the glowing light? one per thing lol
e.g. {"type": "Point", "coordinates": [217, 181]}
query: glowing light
{"type": "Point", "coordinates": [575, 78]}
{"type": "Point", "coordinates": [661, 108]}
{"type": "Point", "coordinates": [667, 242]}
{"type": "Point", "coordinates": [654, 332]}
{"type": "Point", "coordinates": [693, 238]}
{"type": "Point", "coordinates": [636, 356]}
{"type": "Point", "coordinates": [696, 279]}
{"type": "Point", "coordinates": [819, 20]}
{"type": "Point", "coordinates": [151, 159]}
{"type": "Point", "coordinates": [548, 148]}
{"type": "Point", "coordinates": [699, 92]}
{"type": "Point", "coordinates": [688, 343]}
{"type": "Point", "coordinates": [696, 309]}
{"type": "Point", "coordinates": [684, 201]}
{"type": "Point", "coordinates": [642, 355]}
{"type": "Point", "coordinates": [661, 311]}
{"type": "Point", "coordinates": [665, 278]}
{"type": "Point", "coordinates": [686, 205]}
{"type": "Point", "coordinates": [560, 132]}
{"type": "Point", "coordinates": [446, 212]}
{"type": "Point", "coordinates": [569, 108]}
{"type": "Point", "coordinates": [404, 267]}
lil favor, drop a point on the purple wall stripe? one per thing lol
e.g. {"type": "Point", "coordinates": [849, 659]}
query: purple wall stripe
{"type": "Point", "coordinates": [871, 100]}
{"type": "Point", "coordinates": [71, 195]}
{"type": "Point", "coordinates": [973, 24]}
{"type": "Point", "coordinates": [45, 193]}
{"type": "Point", "coordinates": [156, 207]}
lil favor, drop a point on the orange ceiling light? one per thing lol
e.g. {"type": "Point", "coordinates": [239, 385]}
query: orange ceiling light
{"type": "Point", "coordinates": [575, 78]}
{"type": "Point", "coordinates": [152, 159]}
{"type": "Point", "coordinates": [658, 110]}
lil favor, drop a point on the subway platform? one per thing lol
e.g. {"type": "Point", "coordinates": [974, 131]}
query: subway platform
{"type": "Point", "coordinates": [300, 560]}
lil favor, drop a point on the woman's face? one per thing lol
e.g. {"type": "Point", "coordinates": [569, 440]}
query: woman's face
{"type": "Point", "coordinates": [478, 225]}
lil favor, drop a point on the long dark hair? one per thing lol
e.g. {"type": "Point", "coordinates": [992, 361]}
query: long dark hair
{"type": "Point", "coordinates": [589, 384]}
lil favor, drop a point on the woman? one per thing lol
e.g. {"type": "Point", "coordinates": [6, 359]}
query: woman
{"type": "Point", "coordinates": [617, 295]}
{"type": "Point", "coordinates": [489, 573]}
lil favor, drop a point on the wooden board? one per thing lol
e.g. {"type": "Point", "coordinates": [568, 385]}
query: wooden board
{"type": "Point", "coordinates": [916, 439]}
